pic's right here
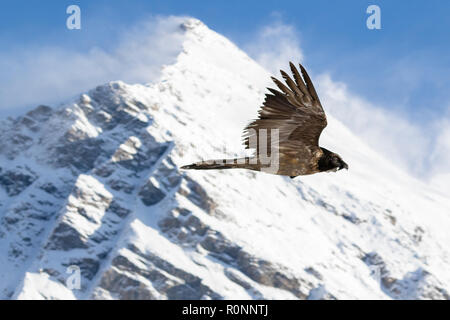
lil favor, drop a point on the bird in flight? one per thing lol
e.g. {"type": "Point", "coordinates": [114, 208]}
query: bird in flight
{"type": "Point", "coordinates": [286, 134]}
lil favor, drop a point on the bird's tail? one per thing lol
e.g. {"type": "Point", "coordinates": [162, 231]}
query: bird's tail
{"type": "Point", "coordinates": [238, 163]}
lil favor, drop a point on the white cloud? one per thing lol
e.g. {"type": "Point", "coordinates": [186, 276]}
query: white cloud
{"type": "Point", "coordinates": [275, 45]}
{"type": "Point", "coordinates": [52, 74]}
{"type": "Point", "coordinates": [397, 139]}
{"type": "Point", "coordinates": [440, 156]}
{"type": "Point", "coordinates": [422, 149]}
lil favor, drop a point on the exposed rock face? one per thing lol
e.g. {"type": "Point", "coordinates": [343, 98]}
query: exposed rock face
{"type": "Point", "coordinates": [95, 185]}
{"type": "Point", "coordinates": [17, 180]}
{"type": "Point", "coordinates": [413, 285]}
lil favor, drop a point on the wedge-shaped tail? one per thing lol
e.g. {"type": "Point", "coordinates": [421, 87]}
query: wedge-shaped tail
{"type": "Point", "coordinates": [238, 163]}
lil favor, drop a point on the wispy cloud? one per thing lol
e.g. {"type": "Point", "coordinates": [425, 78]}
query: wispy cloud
{"type": "Point", "coordinates": [275, 45]}
{"type": "Point", "coordinates": [423, 149]}
{"type": "Point", "coordinates": [388, 132]}
{"type": "Point", "coordinates": [439, 158]}
{"type": "Point", "coordinates": [52, 74]}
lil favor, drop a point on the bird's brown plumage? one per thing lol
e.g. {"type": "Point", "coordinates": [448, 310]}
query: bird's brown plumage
{"type": "Point", "coordinates": [296, 113]}
{"type": "Point", "coordinates": [295, 110]}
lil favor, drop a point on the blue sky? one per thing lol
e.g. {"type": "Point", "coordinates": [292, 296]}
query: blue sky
{"type": "Point", "coordinates": [400, 72]}
{"type": "Point", "coordinates": [403, 65]}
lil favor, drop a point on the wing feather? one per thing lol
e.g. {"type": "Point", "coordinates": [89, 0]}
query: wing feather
{"type": "Point", "coordinates": [310, 86]}
{"type": "Point", "coordinates": [295, 110]}
{"type": "Point", "coordinates": [298, 80]}
{"type": "Point", "coordinates": [291, 84]}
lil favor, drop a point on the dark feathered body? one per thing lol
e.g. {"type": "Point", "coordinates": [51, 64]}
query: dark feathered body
{"type": "Point", "coordinates": [296, 115]}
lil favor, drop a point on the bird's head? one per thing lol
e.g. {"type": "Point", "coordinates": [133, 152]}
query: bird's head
{"type": "Point", "coordinates": [331, 161]}
{"type": "Point", "coordinates": [338, 163]}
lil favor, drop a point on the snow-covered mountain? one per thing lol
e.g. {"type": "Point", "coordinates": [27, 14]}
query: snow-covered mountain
{"type": "Point", "coordinates": [95, 184]}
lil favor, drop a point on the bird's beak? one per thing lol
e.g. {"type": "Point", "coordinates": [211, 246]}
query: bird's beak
{"type": "Point", "coordinates": [343, 166]}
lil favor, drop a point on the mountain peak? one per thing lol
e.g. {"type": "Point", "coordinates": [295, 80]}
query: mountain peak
{"type": "Point", "coordinates": [191, 24]}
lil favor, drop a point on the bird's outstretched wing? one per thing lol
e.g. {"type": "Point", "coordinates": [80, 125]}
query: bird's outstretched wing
{"type": "Point", "coordinates": [295, 110]}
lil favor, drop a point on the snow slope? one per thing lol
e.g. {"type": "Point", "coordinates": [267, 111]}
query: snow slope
{"type": "Point", "coordinates": [95, 184]}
